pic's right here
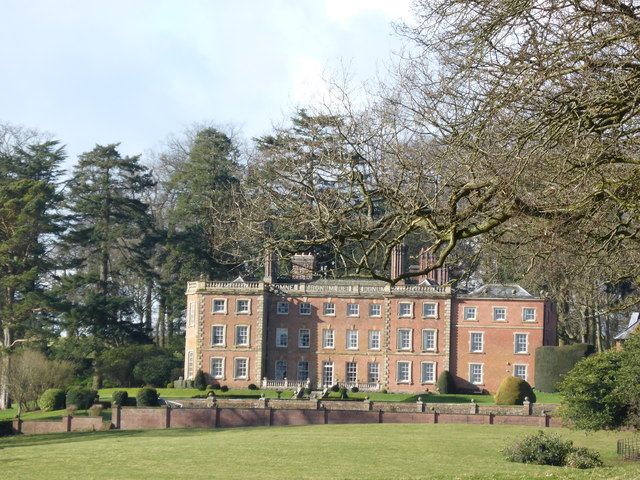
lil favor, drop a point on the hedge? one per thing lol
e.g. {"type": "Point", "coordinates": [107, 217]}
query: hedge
{"type": "Point", "coordinates": [147, 397]}
{"type": "Point", "coordinates": [553, 363]}
{"type": "Point", "coordinates": [81, 397]}
{"type": "Point", "coordinates": [513, 391]}
{"type": "Point", "coordinates": [445, 383]}
{"type": "Point", "coordinates": [52, 399]}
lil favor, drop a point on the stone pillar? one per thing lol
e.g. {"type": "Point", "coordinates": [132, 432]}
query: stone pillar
{"type": "Point", "coordinates": [526, 406]}
{"type": "Point", "coordinates": [116, 412]}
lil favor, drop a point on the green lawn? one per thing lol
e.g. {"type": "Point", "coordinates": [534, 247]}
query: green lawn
{"type": "Point", "coordinates": [10, 413]}
{"type": "Point", "coordinates": [323, 452]}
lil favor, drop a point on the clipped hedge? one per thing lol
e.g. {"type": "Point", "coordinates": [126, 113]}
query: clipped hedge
{"type": "Point", "coordinates": [200, 380]}
{"type": "Point", "coordinates": [445, 383]}
{"type": "Point", "coordinates": [52, 399]}
{"type": "Point", "coordinates": [119, 397]}
{"type": "Point", "coordinates": [6, 428]}
{"type": "Point", "coordinates": [513, 391]}
{"type": "Point", "coordinates": [81, 397]}
{"type": "Point", "coordinates": [147, 397]}
{"type": "Point", "coordinates": [553, 363]}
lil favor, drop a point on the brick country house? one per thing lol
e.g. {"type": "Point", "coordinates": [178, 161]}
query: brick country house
{"type": "Point", "coordinates": [365, 333]}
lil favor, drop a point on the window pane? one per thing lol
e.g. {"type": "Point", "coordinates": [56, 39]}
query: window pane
{"type": "Point", "coordinates": [305, 308]}
{"type": "Point", "coordinates": [375, 310]}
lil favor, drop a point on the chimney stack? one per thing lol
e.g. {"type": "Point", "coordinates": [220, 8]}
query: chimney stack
{"type": "Point", "coordinates": [438, 276]}
{"type": "Point", "coordinates": [270, 267]}
{"type": "Point", "coordinates": [399, 261]}
{"type": "Point", "coordinates": [302, 266]}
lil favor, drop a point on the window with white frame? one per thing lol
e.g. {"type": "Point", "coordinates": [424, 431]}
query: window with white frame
{"type": "Point", "coordinates": [520, 371]}
{"type": "Point", "coordinates": [499, 314]}
{"type": "Point", "coordinates": [190, 364]}
{"type": "Point", "coordinates": [304, 338]}
{"type": "Point", "coordinates": [375, 310]}
{"type": "Point", "coordinates": [352, 372]}
{"type": "Point", "coordinates": [328, 338]}
{"type": "Point", "coordinates": [404, 338]}
{"type": "Point", "coordinates": [353, 310]}
{"type": "Point", "coordinates": [242, 335]}
{"type": "Point", "coordinates": [476, 373]}
{"type": "Point", "coordinates": [428, 372]}
{"type": "Point", "coordinates": [521, 342]}
{"type": "Point", "coordinates": [476, 342]}
{"type": "Point", "coordinates": [374, 339]}
{"type": "Point", "coordinates": [217, 335]}
{"type": "Point", "coordinates": [405, 309]}
{"type": "Point", "coordinates": [243, 307]}
{"type": "Point", "coordinates": [327, 374]}
{"type": "Point", "coordinates": [282, 337]}
{"type": "Point", "coordinates": [403, 372]}
{"type": "Point", "coordinates": [192, 314]}
{"type": "Point", "coordinates": [282, 308]}
{"type": "Point", "coordinates": [352, 339]}
{"type": "Point", "coordinates": [219, 305]}
{"type": "Point", "coordinates": [529, 314]}
{"type": "Point", "coordinates": [217, 367]}
{"type": "Point", "coordinates": [429, 340]}
{"type": "Point", "coordinates": [241, 368]}
{"type": "Point", "coordinates": [430, 310]}
{"type": "Point", "coordinates": [281, 369]}
{"type": "Point", "coordinates": [303, 370]}
{"type": "Point", "coordinates": [305, 308]}
{"type": "Point", "coordinates": [373, 372]}
{"type": "Point", "coordinates": [328, 308]}
{"type": "Point", "coordinates": [470, 314]}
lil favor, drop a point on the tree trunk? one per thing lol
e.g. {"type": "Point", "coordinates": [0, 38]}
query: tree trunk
{"type": "Point", "coordinates": [4, 370]}
{"type": "Point", "coordinates": [162, 311]}
{"type": "Point", "coordinates": [148, 306]}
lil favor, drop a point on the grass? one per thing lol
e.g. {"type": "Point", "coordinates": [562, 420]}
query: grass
{"type": "Point", "coordinates": [11, 413]}
{"type": "Point", "coordinates": [309, 452]}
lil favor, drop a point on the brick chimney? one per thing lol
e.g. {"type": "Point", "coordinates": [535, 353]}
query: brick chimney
{"type": "Point", "coordinates": [270, 267]}
{"type": "Point", "coordinates": [399, 261]}
{"type": "Point", "coordinates": [302, 266]}
{"type": "Point", "coordinates": [438, 276]}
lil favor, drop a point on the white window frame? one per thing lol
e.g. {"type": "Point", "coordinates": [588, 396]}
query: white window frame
{"type": "Point", "coordinates": [356, 309]}
{"type": "Point", "coordinates": [467, 309]}
{"type": "Point", "coordinates": [224, 336]}
{"type": "Point", "coordinates": [282, 308]}
{"type": "Point", "coordinates": [328, 366]}
{"type": "Point", "coordinates": [351, 334]}
{"type": "Point", "coordinates": [213, 374]}
{"type": "Point", "coordinates": [304, 308]}
{"type": "Point", "coordinates": [515, 343]}
{"type": "Point", "coordinates": [329, 309]}
{"type": "Point", "coordinates": [279, 332]}
{"type": "Point", "coordinates": [191, 314]}
{"type": "Point", "coordinates": [373, 334]}
{"type": "Point", "coordinates": [405, 315]}
{"type": "Point", "coordinates": [409, 368]}
{"type": "Point", "coordinates": [435, 310]}
{"type": "Point", "coordinates": [495, 319]}
{"type": "Point", "coordinates": [400, 331]}
{"type": "Point", "coordinates": [379, 308]}
{"type": "Point", "coordinates": [302, 378]}
{"type": "Point", "coordinates": [243, 312]}
{"type": "Point", "coordinates": [524, 314]}
{"type": "Point", "coordinates": [275, 369]}
{"type": "Point", "coordinates": [481, 382]}
{"type": "Point", "coordinates": [235, 368]}
{"type": "Point", "coordinates": [300, 345]}
{"type": "Point", "coordinates": [434, 373]}
{"type": "Point", "coordinates": [237, 344]}
{"type": "Point", "coordinates": [435, 339]}
{"type": "Point", "coordinates": [328, 334]}
{"type": "Point", "coordinates": [191, 363]}
{"type": "Point", "coordinates": [370, 378]}
{"type": "Point", "coordinates": [224, 306]}
{"type": "Point", "coordinates": [351, 375]}
{"type": "Point", "coordinates": [526, 371]}
{"type": "Point", "coordinates": [471, 349]}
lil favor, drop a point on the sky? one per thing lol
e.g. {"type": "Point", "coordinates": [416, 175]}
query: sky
{"type": "Point", "coordinates": [137, 71]}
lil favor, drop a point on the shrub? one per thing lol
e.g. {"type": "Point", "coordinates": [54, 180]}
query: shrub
{"type": "Point", "coordinates": [355, 389]}
{"type": "Point", "coordinates": [81, 397]}
{"type": "Point", "coordinates": [445, 383]}
{"type": "Point", "coordinates": [252, 386]}
{"type": "Point", "coordinates": [335, 388]}
{"type": "Point", "coordinates": [170, 385]}
{"type": "Point", "coordinates": [147, 397]}
{"type": "Point", "coordinates": [215, 386]}
{"type": "Point", "coordinates": [155, 371]}
{"type": "Point", "coordinates": [119, 397]}
{"type": "Point", "coordinates": [224, 388]}
{"type": "Point", "coordinates": [343, 393]}
{"type": "Point", "coordinates": [553, 363]}
{"type": "Point", "coordinates": [513, 391]}
{"type": "Point", "coordinates": [200, 381]}
{"type": "Point", "coordinates": [52, 399]}
{"type": "Point", "coordinates": [95, 410]}
{"type": "Point", "coordinates": [6, 428]}
{"type": "Point", "coordinates": [583, 458]}
{"type": "Point", "coordinates": [307, 391]}
{"type": "Point", "coordinates": [384, 390]}
{"type": "Point", "coordinates": [539, 448]}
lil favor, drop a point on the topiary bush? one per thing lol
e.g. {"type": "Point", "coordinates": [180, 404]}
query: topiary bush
{"type": "Point", "coordinates": [215, 386]}
{"type": "Point", "coordinates": [200, 381]}
{"type": "Point", "coordinates": [252, 386]}
{"type": "Point", "coordinates": [81, 397]}
{"type": "Point", "coordinates": [52, 399]}
{"type": "Point", "coordinates": [224, 388]}
{"type": "Point", "coordinates": [553, 363]}
{"type": "Point", "coordinates": [147, 397]}
{"type": "Point", "coordinates": [119, 397]}
{"type": "Point", "coordinates": [355, 389]}
{"type": "Point", "coordinates": [445, 383]}
{"type": "Point", "coordinates": [539, 448]}
{"type": "Point", "coordinates": [6, 428]}
{"type": "Point", "coordinates": [335, 388]}
{"type": "Point", "coordinates": [513, 391]}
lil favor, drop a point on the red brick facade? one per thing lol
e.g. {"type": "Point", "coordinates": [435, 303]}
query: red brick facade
{"type": "Point", "coordinates": [363, 333]}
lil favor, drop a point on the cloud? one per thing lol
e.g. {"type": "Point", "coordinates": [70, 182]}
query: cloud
{"type": "Point", "coordinates": [343, 11]}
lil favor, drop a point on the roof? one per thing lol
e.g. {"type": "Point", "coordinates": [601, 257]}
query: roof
{"type": "Point", "coordinates": [497, 290]}
{"type": "Point", "coordinates": [634, 323]}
